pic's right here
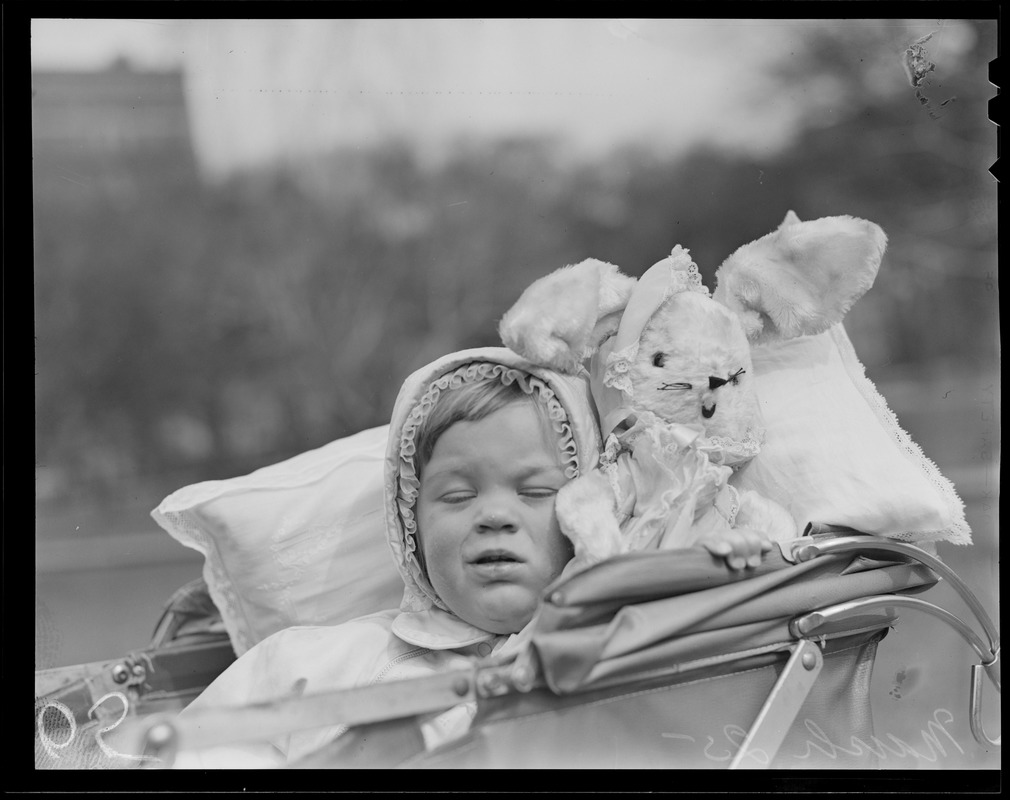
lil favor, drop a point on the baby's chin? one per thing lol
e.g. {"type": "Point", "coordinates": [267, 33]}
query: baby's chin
{"type": "Point", "coordinates": [507, 613]}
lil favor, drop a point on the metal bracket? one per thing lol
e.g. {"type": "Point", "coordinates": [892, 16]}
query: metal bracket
{"type": "Point", "coordinates": [975, 717]}
{"type": "Point", "coordinates": [781, 707]}
{"type": "Point", "coordinates": [808, 624]}
{"type": "Point", "coordinates": [864, 543]}
{"type": "Point", "coordinates": [129, 672]}
{"type": "Point", "coordinates": [163, 735]}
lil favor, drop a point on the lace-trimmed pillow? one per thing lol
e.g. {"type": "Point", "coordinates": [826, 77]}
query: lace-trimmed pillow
{"type": "Point", "coordinates": [834, 453]}
{"type": "Point", "coordinates": [300, 542]}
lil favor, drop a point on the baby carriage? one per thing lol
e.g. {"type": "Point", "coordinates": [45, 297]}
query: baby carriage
{"type": "Point", "coordinates": [657, 660]}
{"type": "Point", "coordinates": [661, 659]}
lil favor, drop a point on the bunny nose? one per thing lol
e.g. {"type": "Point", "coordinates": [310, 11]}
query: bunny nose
{"type": "Point", "coordinates": [715, 383]}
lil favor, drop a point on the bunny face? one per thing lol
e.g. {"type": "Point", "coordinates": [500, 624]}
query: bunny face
{"type": "Point", "coordinates": [693, 367]}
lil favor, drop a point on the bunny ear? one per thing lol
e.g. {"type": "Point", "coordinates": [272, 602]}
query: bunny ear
{"type": "Point", "coordinates": [802, 278]}
{"type": "Point", "coordinates": [562, 318]}
{"type": "Point", "coordinates": [791, 219]}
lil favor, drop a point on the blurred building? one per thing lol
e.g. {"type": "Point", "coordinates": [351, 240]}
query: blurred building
{"type": "Point", "coordinates": [119, 112]}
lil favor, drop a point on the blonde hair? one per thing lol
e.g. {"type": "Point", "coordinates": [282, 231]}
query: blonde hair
{"type": "Point", "coordinates": [470, 403]}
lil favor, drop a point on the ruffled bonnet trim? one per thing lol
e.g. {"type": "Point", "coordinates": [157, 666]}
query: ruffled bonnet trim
{"type": "Point", "coordinates": [408, 484]}
{"type": "Point", "coordinates": [674, 274]}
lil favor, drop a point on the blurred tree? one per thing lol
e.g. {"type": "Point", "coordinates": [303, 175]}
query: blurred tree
{"type": "Point", "coordinates": [213, 329]}
{"type": "Point", "coordinates": [914, 159]}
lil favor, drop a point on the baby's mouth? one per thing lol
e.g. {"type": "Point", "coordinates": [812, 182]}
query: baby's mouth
{"type": "Point", "coordinates": [496, 557]}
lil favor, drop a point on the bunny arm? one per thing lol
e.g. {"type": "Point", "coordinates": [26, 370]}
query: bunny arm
{"type": "Point", "coordinates": [586, 511]}
{"type": "Point", "coordinates": [560, 319]}
{"type": "Point", "coordinates": [761, 514]}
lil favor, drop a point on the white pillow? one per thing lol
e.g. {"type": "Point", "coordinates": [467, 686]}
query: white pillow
{"type": "Point", "coordinates": [834, 452]}
{"type": "Point", "coordinates": [301, 542]}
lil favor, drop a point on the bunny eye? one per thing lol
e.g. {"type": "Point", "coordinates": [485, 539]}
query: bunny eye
{"type": "Point", "coordinates": [659, 359]}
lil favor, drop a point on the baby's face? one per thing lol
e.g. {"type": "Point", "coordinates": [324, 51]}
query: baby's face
{"type": "Point", "coordinates": [486, 521]}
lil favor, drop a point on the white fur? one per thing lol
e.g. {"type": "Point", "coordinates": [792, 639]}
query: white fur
{"type": "Point", "coordinates": [586, 513]}
{"type": "Point", "coordinates": [803, 277]}
{"type": "Point", "coordinates": [761, 514]}
{"type": "Point", "coordinates": [560, 319]}
{"type": "Point", "coordinates": [799, 279]}
{"type": "Point", "coordinates": [699, 339]}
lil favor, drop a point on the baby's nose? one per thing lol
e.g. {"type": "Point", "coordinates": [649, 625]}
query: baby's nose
{"type": "Point", "coordinates": [496, 515]}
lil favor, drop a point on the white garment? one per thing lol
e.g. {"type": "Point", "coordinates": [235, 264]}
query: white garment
{"type": "Point", "coordinates": [317, 659]}
{"type": "Point", "coordinates": [419, 639]}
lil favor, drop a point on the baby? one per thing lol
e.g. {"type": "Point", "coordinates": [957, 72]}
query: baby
{"type": "Point", "coordinates": [480, 443]}
{"type": "Point", "coordinates": [490, 466]}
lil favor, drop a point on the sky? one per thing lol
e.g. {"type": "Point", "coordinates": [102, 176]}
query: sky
{"type": "Point", "coordinates": [88, 44]}
{"type": "Point", "coordinates": [262, 90]}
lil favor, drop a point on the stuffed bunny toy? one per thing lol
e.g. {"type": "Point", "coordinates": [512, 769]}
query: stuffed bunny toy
{"type": "Point", "coordinates": [673, 381]}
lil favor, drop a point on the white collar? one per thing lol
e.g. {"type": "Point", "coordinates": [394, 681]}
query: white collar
{"type": "Point", "coordinates": [438, 630]}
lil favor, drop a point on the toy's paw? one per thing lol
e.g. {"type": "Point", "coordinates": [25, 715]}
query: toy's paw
{"type": "Point", "coordinates": [586, 515]}
{"type": "Point", "coordinates": [740, 547]}
{"type": "Point", "coordinates": [761, 514]}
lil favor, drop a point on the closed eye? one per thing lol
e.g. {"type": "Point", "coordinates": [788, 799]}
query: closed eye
{"type": "Point", "coordinates": [456, 497]}
{"type": "Point", "coordinates": [680, 387]}
{"type": "Point", "coordinates": [538, 492]}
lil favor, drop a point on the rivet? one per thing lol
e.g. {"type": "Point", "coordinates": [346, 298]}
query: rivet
{"type": "Point", "coordinates": [461, 686]}
{"type": "Point", "coordinates": [159, 737]}
{"type": "Point", "coordinates": [488, 682]}
{"type": "Point", "coordinates": [120, 674]}
{"type": "Point", "coordinates": [808, 660]}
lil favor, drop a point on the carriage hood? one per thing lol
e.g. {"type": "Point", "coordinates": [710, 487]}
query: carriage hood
{"type": "Point", "coordinates": [424, 618]}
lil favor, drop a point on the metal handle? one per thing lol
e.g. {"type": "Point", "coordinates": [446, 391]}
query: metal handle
{"type": "Point", "coordinates": [163, 735]}
{"type": "Point", "coordinates": [864, 543]}
{"type": "Point", "coordinates": [975, 717]}
{"type": "Point", "coordinates": [806, 626]}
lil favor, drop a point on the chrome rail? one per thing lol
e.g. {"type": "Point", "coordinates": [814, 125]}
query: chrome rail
{"type": "Point", "coordinates": [986, 648]}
